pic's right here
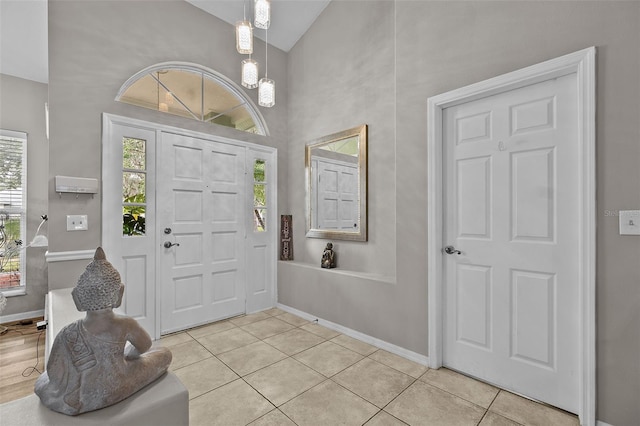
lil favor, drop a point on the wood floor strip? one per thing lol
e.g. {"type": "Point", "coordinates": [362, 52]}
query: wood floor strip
{"type": "Point", "coordinates": [17, 354]}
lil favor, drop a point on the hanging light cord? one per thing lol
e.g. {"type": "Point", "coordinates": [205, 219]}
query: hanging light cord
{"type": "Point", "coordinates": [244, 15]}
{"type": "Point", "coordinates": [244, 12]}
{"type": "Point", "coordinates": [266, 54]}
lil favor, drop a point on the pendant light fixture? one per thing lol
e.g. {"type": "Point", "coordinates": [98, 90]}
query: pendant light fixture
{"type": "Point", "coordinates": [244, 35]}
{"type": "Point", "coordinates": [266, 86]}
{"type": "Point", "coordinates": [244, 45]}
{"type": "Point", "coordinates": [249, 73]}
{"type": "Point", "coordinates": [249, 78]}
{"type": "Point", "coordinates": [262, 14]}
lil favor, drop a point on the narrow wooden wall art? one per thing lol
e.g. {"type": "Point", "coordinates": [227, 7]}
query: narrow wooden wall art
{"type": "Point", "coordinates": [286, 237]}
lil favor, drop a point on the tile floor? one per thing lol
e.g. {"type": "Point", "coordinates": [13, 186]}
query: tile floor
{"type": "Point", "coordinates": [274, 368]}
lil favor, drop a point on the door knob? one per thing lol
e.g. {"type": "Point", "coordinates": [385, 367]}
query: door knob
{"type": "Point", "coordinates": [451, 250]}
{"type": "Point", "coordinates": [169, 244]}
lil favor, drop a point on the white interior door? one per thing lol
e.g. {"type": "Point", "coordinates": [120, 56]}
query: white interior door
{"type": "Point", "coordinates": [201, 200]}
{"type": "Point", "coordinates": [511, 189]}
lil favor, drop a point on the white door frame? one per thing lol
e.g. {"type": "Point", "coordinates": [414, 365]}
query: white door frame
{"type": "Point", "coordinates": [112, 190]}
{"type": "Point", "coordinates": [583, 64]}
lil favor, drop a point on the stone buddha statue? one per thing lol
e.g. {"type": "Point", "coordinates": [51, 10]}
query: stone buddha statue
{"type": "Point", "coordinates": [103, 358]}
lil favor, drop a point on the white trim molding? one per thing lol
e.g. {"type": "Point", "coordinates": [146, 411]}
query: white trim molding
{"type": "Point", "coordinates": [389, 347]}
{"type": "Point", "coordinates": [65, 256]}
{"type": "Point", "coordinates": [583, 64]}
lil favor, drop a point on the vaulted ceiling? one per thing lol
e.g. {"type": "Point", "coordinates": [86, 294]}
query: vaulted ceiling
{"type": "Point", "coordinates": [23, 29]}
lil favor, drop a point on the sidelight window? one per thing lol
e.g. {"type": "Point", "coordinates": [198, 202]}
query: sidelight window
{"type": "Point", "coordinates": [134, 178]}
{"type": "Point", "coordinates": [259, 196]}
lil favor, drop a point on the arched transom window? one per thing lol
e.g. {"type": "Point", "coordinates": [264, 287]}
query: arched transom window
{"type": "Point", "coordinates": [195, 92]}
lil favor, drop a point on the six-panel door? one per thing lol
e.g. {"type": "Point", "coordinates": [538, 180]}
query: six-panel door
{"type": "Point", "coordinates": [512, 185]}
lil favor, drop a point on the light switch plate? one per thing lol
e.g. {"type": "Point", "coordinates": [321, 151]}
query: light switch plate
{"type": "Point", "coordinates": [77, 222]}
{"type": "Point", "coordinates": [629, 222]}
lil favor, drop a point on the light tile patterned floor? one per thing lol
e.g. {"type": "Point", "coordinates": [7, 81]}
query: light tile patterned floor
{"type": "Point", "coordinates": [274, 368]}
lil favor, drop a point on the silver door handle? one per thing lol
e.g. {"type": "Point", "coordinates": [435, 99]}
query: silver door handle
{"type": "Point", "coordinates": [451, 250]}
{"type": "Point", "coordinates": [169, 244]}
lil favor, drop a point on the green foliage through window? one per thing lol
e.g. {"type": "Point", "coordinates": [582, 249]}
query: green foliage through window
{"type": "Point", "coordinates": [259, 196]}
{"type": "Point", "coordinates": [133, 217]}
{"type": "Point", "coordinates": [134, 178]}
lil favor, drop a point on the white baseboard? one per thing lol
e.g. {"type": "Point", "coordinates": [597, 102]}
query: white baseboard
{"type": "Point", "coordinates": [599, 423]}
{"type": "Point", "coordinates": [389, 347]}
{"type": "Point", "coordinates": [21, 316]}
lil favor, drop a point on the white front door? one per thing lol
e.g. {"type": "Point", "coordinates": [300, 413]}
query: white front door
{"type": "Point", "coordinates": [511, 207]}
{"type": "Point", "coordinates": [201, 201]}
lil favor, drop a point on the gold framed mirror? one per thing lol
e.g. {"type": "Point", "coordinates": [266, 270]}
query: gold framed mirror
{"type": "Point", "coordinates": [336, 183]}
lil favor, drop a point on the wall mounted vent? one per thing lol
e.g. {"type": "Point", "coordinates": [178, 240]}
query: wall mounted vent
{"type": "Point", "coordinates": [76, 185]}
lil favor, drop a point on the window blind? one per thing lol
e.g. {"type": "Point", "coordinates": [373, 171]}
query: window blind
{"type": "Point", "coordinates": [13, 182]}
{"type": "Point", "coordinates": [12, 173]}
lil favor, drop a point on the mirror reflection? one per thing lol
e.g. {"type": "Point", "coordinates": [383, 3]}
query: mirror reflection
{"type": "Point", "coordinates": [337, 185]}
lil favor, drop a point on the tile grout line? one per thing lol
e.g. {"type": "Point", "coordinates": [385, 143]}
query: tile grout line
{"type": "Point", "coordinates": [508, 417]}
{"type": "Point", "coordinates": [326, 378]}
{"type": "Point", "coordinates": [266, 414]}
{"type": "Point", "coordinates": [267, 343]}
{"type": "Point", "coordinates": [277, 334]}
{"type": "Point", "coordinates": [239, 377]}
{"type": "Point", "coordinates": [457, 396]}
{"type": "Point", "coordinates": [276, 407]}
{"type": "Point", "coordinates": [312, 346]}
{"type": "Point", "coordinates": [391, 366]}
{"type": "Point", "coordinates": [331, 378]}
{"type": "Point", "coordinates": [486, 411]}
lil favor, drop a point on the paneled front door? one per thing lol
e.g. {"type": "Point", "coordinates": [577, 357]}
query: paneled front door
{"type": "Point", "coordinates": [201, 221]}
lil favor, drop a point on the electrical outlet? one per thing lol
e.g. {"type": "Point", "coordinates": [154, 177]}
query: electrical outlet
{"type": "Point", "coordinates": [77, 222]}
{"type": "Point", "coordinates": [629, 222]}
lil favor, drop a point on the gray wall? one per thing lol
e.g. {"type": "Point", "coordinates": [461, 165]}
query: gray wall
{"type": "Point", "coordinates": [374, 63]}
{"type": "Point", "coordinates": [424, 48]}
{"type": "Point", "coordinates": [341, 76]}
{"type": "Point", "coordinates": [94, 47]}
{"type": "Point", "coordinates": [22, 109]}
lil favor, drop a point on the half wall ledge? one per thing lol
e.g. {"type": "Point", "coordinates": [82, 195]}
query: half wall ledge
{"type": "Point", "coordinates": [284, 264]}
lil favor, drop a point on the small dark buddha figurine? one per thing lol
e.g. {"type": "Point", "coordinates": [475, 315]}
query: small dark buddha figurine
{"type": "Point", "coordinates": [328, 257]}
